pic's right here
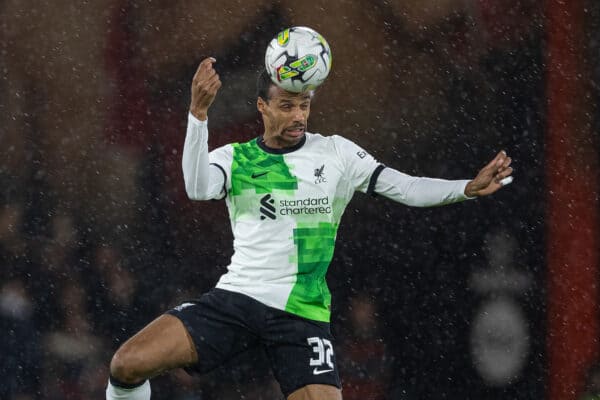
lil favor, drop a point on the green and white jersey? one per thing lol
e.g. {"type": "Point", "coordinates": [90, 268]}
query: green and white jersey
{"type": "Point", "coordinates": [285, 207]}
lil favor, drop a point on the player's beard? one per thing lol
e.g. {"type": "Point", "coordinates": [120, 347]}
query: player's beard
{"type": "Point", "coordinates": [295, 131]}
{"type": "Point", "coordinates": [286, 136]}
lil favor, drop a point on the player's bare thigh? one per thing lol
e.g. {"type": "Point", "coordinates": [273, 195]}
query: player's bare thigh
{"type": "Point", "coordinates": [316, 392]}
{"type": "Point", "coordinates": [162, 345]}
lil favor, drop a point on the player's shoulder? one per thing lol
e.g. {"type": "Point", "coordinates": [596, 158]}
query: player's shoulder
{"type": "Point", "coordinates": [224, 153]}
{"type": "Point", "coordinates": [226, 148]}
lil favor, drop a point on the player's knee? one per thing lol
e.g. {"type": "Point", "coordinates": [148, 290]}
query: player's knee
{"type": "Point", "coordinates": [125, 365]}
{"type": "Point", "coordinates": [316, 392]}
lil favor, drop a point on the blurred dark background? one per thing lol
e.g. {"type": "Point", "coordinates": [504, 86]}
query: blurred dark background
{"type": "Point", "coordinates": [97, 237]}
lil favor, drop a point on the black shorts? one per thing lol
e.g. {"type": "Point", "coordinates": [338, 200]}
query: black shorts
{"type": "Point", "coordinates": [223, 324]}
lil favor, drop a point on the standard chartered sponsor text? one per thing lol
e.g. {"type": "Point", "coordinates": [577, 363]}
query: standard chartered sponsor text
{"type": "Point", "coordinates": [310, 205]}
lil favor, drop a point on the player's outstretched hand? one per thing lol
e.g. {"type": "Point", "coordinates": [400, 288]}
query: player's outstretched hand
{"type": "Point", "coordinates": [205, 85]}
{"type": "Point", "coordinates": [491, 177]}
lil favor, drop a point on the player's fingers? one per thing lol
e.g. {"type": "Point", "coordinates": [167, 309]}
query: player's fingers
{"type": "Point", "coordinates": [203, 83]}
{"type": "Point", "coordinates": [210, 82]}
{"type": "Point", "coordinates": [204, 75]}
{"type": "Point", "coordinates": [205, 65]}
{"type": "Point", "coordinates": [213, 87]}
{"type": "Point", "coordinates": [500, 158]}
{"type": "Point", "coordinates": [496, 161]}
{"type": "Point", "coordinates": [207, 81]}
{"type": "Point", "coordinates": [504, 174]}
{"type": "Point", "coordinates": [214, 77]}
{"type": "Point", "coordinates": [505, 164]}
{"type": "Point", "coordinates": [199, 70]}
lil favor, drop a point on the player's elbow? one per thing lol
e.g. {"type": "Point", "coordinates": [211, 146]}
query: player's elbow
{"type": "Point", "coordinates": [196, 185]}
{"type": "Point", "coordinates": [194, 194]}
{"type": "Point", "coordinates": [192, 188]}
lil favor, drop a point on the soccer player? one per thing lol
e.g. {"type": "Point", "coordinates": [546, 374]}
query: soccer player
{"type": "Point", "coordinates": [286, 192]}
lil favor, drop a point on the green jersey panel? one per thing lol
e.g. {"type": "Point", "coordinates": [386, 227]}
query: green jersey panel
{"type": "Point", "coordinates": [253, 169]}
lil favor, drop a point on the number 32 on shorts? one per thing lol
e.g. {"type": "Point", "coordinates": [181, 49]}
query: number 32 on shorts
{"type": "Point", "coordinates": [323, 353]}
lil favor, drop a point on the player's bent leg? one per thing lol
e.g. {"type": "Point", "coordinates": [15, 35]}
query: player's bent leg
{"type": "Point", "coordinates": [162, 345]}
{"type": "Point", "coordinates": [316, 392]}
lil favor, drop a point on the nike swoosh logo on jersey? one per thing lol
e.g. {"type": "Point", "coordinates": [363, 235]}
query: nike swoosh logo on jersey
{"type": "Point", "coordinates": [183, 305]}
{"type": "Point", "coordinates": [258, 175]}
{"type": "Point", "coordinates": [317, 372]}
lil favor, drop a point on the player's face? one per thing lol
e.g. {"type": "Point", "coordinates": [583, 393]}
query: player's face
{"type": "Point", "coordinates": [285, 116]}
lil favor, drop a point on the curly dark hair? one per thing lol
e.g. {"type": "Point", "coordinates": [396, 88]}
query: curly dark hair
{"type": "Point", "coordinates": [263, 84]}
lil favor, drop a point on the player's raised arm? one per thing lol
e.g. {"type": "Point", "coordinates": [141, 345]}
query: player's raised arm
{"type": "Point", "coordinates": [428, 192]}
{"type": "Point", "coordinates": [201, 181]}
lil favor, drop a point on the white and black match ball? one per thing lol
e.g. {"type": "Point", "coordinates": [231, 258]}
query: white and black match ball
{"type": "Point", "coordinates": [298, 59]}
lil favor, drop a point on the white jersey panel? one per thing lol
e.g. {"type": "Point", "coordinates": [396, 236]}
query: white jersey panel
{"type": "Point", "coordinates": [358, 163]}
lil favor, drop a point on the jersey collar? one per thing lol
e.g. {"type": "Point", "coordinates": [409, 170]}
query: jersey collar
{"type": "Point", "coordinates": [262, 145]}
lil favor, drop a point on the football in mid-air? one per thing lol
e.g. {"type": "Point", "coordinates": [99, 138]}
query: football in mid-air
{"type": "Point", "coordinates": [298, 59]}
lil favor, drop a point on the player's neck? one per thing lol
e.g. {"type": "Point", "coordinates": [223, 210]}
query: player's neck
{"type": "Point", "coordinates": [275, 146]}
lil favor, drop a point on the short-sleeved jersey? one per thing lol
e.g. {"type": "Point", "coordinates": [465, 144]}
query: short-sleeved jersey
{"type": "Point", "coordinates": [285, 207]}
